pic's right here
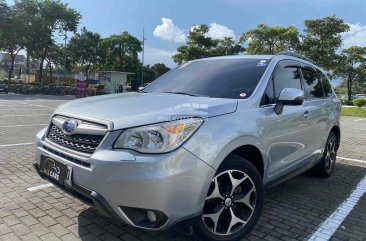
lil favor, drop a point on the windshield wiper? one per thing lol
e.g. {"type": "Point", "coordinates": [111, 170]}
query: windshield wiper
{"type": "Point", "coordinates": [182, 93]}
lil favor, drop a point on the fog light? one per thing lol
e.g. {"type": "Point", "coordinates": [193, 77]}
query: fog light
{"type": "Point", "coordinates": [152, 216]}
{"type": "Point", "coordinates": [146, 218]}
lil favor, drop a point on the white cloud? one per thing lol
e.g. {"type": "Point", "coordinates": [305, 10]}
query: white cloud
{"type": "Point", "coordinates": [355, 36]}
{"type": "Point", "coordinates": [167, 30]}
{"type": "Point", "coordinates": [218, 31]}
{"type": "Point", "coordinates": [155, 55]}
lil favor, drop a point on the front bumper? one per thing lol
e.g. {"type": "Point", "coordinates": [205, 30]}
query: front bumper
{"type": "Point", "coordinates": [174, 184]}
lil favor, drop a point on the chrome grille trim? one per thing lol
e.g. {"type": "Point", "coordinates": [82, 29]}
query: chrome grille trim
{"type": "Point", "coordinates": [85, 139]}
{"type": "Point", "coordinates": [84, 127]}
{"type": "Point", "coordinates": [67, 157]}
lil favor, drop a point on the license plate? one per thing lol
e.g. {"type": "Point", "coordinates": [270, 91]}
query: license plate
{"type": "Point", "coordinates": [55, 170]}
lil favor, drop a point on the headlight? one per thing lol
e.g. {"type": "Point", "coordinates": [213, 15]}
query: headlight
{"type": "Point", "coordinates": [158, 138]}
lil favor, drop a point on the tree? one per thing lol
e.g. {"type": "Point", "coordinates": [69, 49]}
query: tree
{"type": "Point", "coordinates": [4, 9]}
{"type": "Point", "coordinates": [120, 52]}
{"type": "Point", "coordinates": [149, 74]}
{"type": "Point", "coordinates": [54, 58]}
{"type": "Point", "coordinates": [352, 67]}
{"type": "Point", "coordinates": [322, 39]}
{"type": "Point", "coordinates": [44, 19]}
{"type": "Point", "coordinates": [159, 69]}
{"type": "Point", "coordinates": [199, 45]}
{"type": "Point", "coordinates": [84, 49]}
{"type": "Point", "coordinates": [12, 36]}
{"type": "Point", "coordinates": [270, 40]}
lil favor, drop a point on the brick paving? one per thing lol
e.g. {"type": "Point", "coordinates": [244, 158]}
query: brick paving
{"type": "Point", "coordinates": [292, 210]}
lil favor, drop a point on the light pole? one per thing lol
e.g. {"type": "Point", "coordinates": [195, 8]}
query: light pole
{"type": "Point", "coordinates": [143, 55]}
{"type": "Point", "coordinates": [65, 38]}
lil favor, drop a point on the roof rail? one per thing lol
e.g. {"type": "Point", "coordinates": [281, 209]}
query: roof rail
{"type": "Point", "coordinates": [292, 54]}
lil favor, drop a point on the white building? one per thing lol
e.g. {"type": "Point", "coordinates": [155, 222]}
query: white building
{"type": "Point", "coordinates": [114, 81]}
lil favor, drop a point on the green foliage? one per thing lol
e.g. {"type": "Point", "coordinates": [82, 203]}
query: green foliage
{"type": "Point", "coordinates": [322, 39]}
{"type": "Point", "coordinates": [352, 67]}
{"type": "Point", "coordinates": [348, 102]}
{"type": "Point", "coordinates": [100, 86]}
{"type": "Point", "coordinates": [199, 46]}
{"type": "Point", "coordinates": [359, 102]}
{"type": "Point", "coordinates": [159, 69]}
{"type": "Point", "coordinates": [12, 34]}
{"type": "Point", "coordinates": [45, 18]}
{"type": "Point", "coordinates": [120, 53]}
{"type": "Point", "coordinates": [4, 9]}
{"type": "Point", "coordinates": [149, 74]}
{"type": "Point", "coordinates": [351, 111]}
{"type": "Point", "coordinates": [270, 40]}
{"type": "Point", "coordinates": [83, 49]}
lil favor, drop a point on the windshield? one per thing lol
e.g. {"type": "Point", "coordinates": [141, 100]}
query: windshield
{"type": "Point", "coordinates": [217, 78]}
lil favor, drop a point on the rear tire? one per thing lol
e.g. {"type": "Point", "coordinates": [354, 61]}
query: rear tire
{"type": "Point", "coordinates": [234, 201]}
{"type": "Point", "coordinates": [326, 165]}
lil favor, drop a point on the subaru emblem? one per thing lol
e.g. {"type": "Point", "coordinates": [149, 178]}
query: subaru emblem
{"type": "Point", "coordinates": [69, 126]}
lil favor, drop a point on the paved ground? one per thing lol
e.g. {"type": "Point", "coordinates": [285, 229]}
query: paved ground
{"type": "Point", "coordinates": [294, 210]}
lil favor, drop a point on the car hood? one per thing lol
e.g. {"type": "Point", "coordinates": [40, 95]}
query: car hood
{"type": "Point", "coordinates": [136, 109]}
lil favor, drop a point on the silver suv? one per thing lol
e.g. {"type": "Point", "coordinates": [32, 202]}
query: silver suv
{"type": "Point", "coordinates": [199, 144]}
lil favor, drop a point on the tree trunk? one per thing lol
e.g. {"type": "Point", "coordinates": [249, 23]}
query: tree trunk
{"type": "Point", "coordinates": [87, 71]}
{"type": "Point", "coordinates": [41, 66]}
{"type": "Point", "coordinates": [41, 70]}
{"type": "Point", "coordinates": [50, 68]}
{"type": "Point", "coordinates": [11, 67]}
{"type": "Point", "coordinates": [28, 62]}
{"type": "Point", "coordinates": [349, 88]}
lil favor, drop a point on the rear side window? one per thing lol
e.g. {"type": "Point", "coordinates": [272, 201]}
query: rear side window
{"type": "Point", "coordinates": [326, 85]}
{"type": "Point", "coordinates": [286, 75]}
{"type": "Point", "coordinates": [313, 85]}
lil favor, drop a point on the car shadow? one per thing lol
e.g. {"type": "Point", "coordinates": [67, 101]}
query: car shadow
{"type": "Point", "coordinates": [292, 210]}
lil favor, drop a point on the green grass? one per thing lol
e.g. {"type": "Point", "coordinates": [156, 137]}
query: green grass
{"type": "Point", "coordinates": [355, 111]}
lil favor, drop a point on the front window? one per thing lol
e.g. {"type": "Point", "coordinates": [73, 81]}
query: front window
{"type": "Point", "coordinates": [216, 78]}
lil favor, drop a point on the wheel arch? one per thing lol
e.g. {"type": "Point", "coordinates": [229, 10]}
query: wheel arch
{"type": "Point", "coordinates": [251, 153]}
{"type": "Point", "coordinates": [337, 131]}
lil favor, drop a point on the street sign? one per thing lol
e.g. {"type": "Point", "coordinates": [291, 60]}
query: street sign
{"type": "Point", "coordinates": [58, 72]}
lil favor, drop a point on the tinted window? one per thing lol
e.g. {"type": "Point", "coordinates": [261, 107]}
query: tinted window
{"type": "Point", "coordinates": [219, 78]}
{"type": "Point", "coordinates": [326, 85]}
{"type": "Point", "coordinates": [313, 85]}
{"type": "Point", "coordinates": [286, 76]}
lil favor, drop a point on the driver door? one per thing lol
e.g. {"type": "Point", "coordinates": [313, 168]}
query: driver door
{"type": "Point", "coordinates": [287, 134]}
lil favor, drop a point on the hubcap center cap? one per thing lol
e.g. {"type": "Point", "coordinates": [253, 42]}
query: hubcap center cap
{"type": "Point", "coordinates": [228, 202]}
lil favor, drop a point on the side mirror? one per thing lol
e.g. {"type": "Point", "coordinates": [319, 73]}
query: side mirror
{"type": "Point", "coordinates": [289, 96]}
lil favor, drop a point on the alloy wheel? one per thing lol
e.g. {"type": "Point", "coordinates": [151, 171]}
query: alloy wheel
{"type": "Point", "coordinates": [331, 155]}
{"type": "Point", "coordinates": [230, 202]}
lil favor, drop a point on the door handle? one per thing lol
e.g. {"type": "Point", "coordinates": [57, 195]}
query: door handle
{"type": "Point", "coordinates": [307, 115]}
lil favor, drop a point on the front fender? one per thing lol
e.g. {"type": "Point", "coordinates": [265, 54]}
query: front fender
{"type": "Point", "coordinates": [213, 142]}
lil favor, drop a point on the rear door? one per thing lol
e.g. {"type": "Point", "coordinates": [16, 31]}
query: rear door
{"type": "Point", "coordinates": [330, 107]}
{"type": "Point", "coordinates": [316, 107]}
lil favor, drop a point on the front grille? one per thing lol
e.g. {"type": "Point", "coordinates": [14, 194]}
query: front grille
{"type": "Point", "coordinates": [78, 142]}
{"type": "Point", "coordinates": [69, 158]}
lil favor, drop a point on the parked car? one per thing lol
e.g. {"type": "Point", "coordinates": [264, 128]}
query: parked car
{"type": "Point", "coordinates": [200, 144]}
{"type": "Point", "coordinates": [4, 88]}
{"type": "Point", "coordinates": [358, 96]}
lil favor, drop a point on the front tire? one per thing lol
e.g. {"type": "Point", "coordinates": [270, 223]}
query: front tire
{"type": "Point", "coordinates": [234, 201]}
{"type": "Point", "coordinates": [326, 165]}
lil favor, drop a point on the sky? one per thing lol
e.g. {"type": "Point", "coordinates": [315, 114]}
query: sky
{"type": "Point", "coordinates": [167, 22]}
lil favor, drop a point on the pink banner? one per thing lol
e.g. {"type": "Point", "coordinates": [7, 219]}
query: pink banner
{"type": "Point", "coordinates": [81, 86]}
